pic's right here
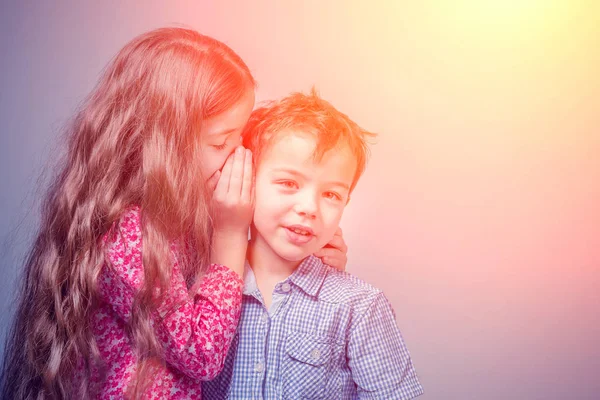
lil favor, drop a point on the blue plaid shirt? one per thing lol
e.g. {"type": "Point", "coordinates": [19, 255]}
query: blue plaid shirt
{"type": "Point", "coordinates": [327, 335]}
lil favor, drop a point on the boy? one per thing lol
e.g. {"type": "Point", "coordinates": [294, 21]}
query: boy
{"type": "Point", "coordinates": [308, 330]}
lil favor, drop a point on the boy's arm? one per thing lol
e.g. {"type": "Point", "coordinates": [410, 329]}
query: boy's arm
{"type": "Point", "coordinates": [377, 356]}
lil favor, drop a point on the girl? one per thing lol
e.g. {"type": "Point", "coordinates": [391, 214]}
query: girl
{"type": "Point", "coordinates": [131, 289]}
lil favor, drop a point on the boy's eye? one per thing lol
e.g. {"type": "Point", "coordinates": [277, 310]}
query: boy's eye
{"type": "Point", "coordinates": [333, 196]}
{"type": "Point", "coordinates": [288, 184]}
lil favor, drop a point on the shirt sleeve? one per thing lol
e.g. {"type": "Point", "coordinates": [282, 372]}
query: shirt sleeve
{"type": "Point", "coordinates": [377, 355]}
{"type": "Point", "coordinates": [195, 329]}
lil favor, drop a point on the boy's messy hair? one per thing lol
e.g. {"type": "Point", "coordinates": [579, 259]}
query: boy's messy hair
{"type": "Point", "coordinates": [307, 113]}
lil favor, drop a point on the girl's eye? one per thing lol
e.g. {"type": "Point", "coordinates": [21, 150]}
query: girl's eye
{"type": "Point", "coordinates": [220, 146]}
{"type": "Point", "coordinates": [288, 184]}
{"type": "Point", "coordinates": [333, 196]}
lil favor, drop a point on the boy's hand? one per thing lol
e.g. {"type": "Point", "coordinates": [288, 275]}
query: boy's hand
{"type": "Point", "coordinates": [334, 252]}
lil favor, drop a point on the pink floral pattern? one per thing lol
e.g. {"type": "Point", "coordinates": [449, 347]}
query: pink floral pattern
{"type": "Point", "coordinates": [195, 330]}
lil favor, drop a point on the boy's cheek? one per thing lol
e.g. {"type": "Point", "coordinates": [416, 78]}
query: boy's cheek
{"type": "Point", "coordinates": [268, 205]}
{"type": "Point", "coordinates": [328, 233]}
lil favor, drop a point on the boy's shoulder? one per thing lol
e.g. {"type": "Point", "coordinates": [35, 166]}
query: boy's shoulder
{"type": "Point", "coordinates": [343, 287]}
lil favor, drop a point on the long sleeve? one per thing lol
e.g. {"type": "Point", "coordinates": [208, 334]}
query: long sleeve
{"type": "Point", "coordinates": [377, 356]}
{"type": "Point", "coordinates": [195, 329]}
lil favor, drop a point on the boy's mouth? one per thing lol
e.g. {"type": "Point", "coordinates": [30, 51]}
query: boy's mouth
{"type": "Point", "coordinates": [301, 230]}
{"type": "Point", "coordinates": [299, 234]}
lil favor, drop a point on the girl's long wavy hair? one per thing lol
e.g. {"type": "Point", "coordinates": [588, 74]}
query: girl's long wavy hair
{"type": "Point", "coordinates": [135, 141]}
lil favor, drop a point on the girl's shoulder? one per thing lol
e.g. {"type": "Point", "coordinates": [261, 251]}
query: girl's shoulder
{"type": "Point", "coordinates": [126, 228]}
{"type": "Point", "coordinates": [123, 247]}
{"type": "Point", "coordinates": [130, 219]}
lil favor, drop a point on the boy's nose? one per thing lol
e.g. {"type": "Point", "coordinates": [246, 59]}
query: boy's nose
{"type": "Point", "coordinates": [307, 207]}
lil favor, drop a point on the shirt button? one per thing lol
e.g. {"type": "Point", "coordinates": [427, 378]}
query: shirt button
{"type": "Point", "coordinates": [286, 287]}
{"type": "Point", "coordinates": [259, 367]}
{"type": "Point", "coordinates": [315, 354]}
{"type": "Point", "coordinates": [264, 318]}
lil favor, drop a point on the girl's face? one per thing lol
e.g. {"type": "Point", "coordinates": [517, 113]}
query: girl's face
{"type": "Point", "coordinates": [221, 134]}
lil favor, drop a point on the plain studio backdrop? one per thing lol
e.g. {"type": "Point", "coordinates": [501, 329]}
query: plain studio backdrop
{"type": "Point", "coordinates": [479, 212]}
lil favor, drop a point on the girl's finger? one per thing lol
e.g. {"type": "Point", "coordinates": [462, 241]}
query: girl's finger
{"type": "Point", "coordinates": [213, 180]}
{"type": "Point", "coordinates": [337, 263]}
{"type": "Point", "coordinates": [247, 180]}
{"type": "Point", "coordinates": [223, 185]}
{"type": "Point", "coordinates": [237, 170]}
{"type": "Point", "coordinates": [328, 252]}
{"type": "Point", "coordinates": [338, 243]}
{"type": "Point", "coordinates": [253, 194]}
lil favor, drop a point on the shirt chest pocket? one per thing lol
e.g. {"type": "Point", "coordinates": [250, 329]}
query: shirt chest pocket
{"type": "Point", "coordinates": [307, 366]}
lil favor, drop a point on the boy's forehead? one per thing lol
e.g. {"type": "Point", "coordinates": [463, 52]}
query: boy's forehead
{"type": "Point", "coordinates": [287, 139]}
{"type": "Point", "coordinates": [289, 144]}
{"type": "Point", "coordinates": [298, 148]}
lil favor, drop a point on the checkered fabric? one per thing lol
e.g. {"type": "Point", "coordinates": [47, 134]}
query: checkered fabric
{"type": "Point", "coordinates": [327, 335]}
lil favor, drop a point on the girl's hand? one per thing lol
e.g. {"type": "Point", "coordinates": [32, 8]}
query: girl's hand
{"type": "Point", "coordinates": [233, 197]}
{"type": "Point", "coordinates": [233, 201]}
{"type": "Point", "coordinates": [334, 252]}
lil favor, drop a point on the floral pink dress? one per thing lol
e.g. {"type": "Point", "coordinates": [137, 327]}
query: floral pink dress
{"type": "Point", "coordinates": [195, 336]}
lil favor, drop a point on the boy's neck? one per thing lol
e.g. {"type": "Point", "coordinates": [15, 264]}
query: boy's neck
{"type": "Point", "coordinates": [269, 269]}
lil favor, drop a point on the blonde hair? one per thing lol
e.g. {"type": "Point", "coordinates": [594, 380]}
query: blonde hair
{"type": "Point", "coordinates": [309, 113]}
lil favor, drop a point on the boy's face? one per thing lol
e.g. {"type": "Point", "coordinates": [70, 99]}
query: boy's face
{"type": "Point", "coordinates": [299, 201]}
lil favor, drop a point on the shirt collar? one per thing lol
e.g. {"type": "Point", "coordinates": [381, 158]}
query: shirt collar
{"type": "Point", "coordinates": [309, 276]}
{"type": "Point", "coordinates": [250, 285]}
